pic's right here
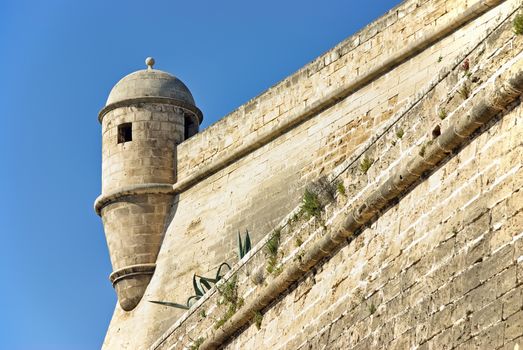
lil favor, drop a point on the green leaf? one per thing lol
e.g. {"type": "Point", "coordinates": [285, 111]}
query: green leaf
{"type": "Point", "coordinates": [240, 247]}
{"type": "Point", "coordinates": [218, 273]}
{"type": "Point", "coordinates": [196, 297]}
{"type": "Point", "coordinates": [206, 283]}
{"type": "Point", "coordinates": [197, 290]}
{"type": "Point", "coordinates": [244, 247]}
{"type": "Point", "coordinates": [247, 242]}
{"type": "Point", "coordinates": [166, 303]}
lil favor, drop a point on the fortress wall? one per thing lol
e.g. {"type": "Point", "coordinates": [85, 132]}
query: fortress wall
{"type": "Point", "coordinates": [442, 269]}
{"type": "Point", "coordinates": [257, 191]}
{"type": "Point", "coordinates": [443, 266]}
{"type": "Point", "coordinates": [375, 45]}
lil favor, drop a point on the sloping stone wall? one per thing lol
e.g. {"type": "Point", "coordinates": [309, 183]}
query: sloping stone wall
{"type": "Point", "coordinates": [410, 254]}
{"type": "Point", "coordinates": [436, 270]}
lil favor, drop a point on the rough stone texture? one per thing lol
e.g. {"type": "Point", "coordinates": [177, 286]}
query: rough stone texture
{"type": "Point", "coordinates": [440, 269]}
{"type": "Point", "coordinates": [135, 223]}
{"type": "Point", "coordinates": [151, 156]}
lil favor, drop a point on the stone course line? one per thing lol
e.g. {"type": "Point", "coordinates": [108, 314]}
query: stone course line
{"type": "Point", "coordinates": [151, 99]}
{"type": "Point", "coordinates": [132, 190]}
{"type": "Point", "coordinates": [501, 93]}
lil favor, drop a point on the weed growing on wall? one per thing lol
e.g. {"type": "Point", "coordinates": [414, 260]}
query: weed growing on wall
{"type": "Point", "coordinates": [422, 151]}
{"type": "Point", "coordinates": [517, 24]}
{"type": "Point", "coordinates": [229, 295]}
{"type": "Point", "coordinates": [202, 285]}
{"type": "Point", "coordinates": [197, 343]}
{"type": "Point", "coordinates": [271, 248]}
{"type": "Point", "coordinates": [464, 91]}
{"type": "Point", "coordinates": [257, 319]}
{"type": "Point", "coordinates": [423, 148]}
{"type": "Point", "coordinates": [340, 188]}
{"type": "Point", "coordinates": [365, 164]}
{"type": "Point", "coordinates": [442, 114]}
{"type": "Point", "coordinates": [311, 205]}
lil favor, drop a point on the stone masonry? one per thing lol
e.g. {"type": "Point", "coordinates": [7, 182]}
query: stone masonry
{"type": "Point", "coordinates": [413, 148]}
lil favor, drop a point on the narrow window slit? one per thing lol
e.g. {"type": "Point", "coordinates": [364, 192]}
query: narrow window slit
{"type": "Point", "coordinates": [125, 132]}
{"type": "Point", "coordinates": [190, 127]}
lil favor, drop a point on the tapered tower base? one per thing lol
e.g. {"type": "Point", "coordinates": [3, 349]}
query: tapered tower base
{"type": "Point", "coordinates": [130, 284]}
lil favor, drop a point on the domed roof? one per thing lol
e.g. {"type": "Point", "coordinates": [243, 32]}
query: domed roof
{"type": "Point", "coordinates": [150, 83]}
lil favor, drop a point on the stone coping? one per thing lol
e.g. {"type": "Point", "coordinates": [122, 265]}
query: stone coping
{"type": "Point", "coordinates": [132, 190]}
{"type": "Point", "coordinates": [152, 99]}
{"type": "Point", "coordinates": [132, 270]}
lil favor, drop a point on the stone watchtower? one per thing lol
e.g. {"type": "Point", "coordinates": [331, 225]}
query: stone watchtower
{"type": "Point", "coordinates": [147, 114]}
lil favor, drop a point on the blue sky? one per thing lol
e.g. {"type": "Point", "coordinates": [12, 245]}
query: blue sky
{"type": "Point", "coordinates": [58, 62]}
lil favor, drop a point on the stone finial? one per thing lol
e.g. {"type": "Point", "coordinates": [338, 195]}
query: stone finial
{"type": "Point", "coordinates": [149, 61]}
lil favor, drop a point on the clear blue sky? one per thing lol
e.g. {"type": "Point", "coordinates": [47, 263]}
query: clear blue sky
{"type": "Point", "coordinates": [58, 62]}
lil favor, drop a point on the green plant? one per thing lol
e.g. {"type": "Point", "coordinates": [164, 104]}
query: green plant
{"type": "Point", "coordinates": [225, 317]}
{"type": "Point", "coordinates": [298, 242]}
{"type": "Point", "coordinates": [272, 266]}
{"type": "Point", "coordinates": [200, 285]}
{"type": "Point", "coordinates": [273, 243]}
{"type": "Point", "coordinates": [440, 58]}
{"type": "Point", "coordinates": [197, 343]}
{"type": "Point", "coordinates": [295, 217]}
{"type": "Point", "coordinates": [400, 133]}
{"type": "Point", "coordinates": [422, 150]}
{"type": "Point", "coordinates": [442, 114]}
{"type": "Point", "coordinates": [203, 314]}
{"type": "Point", "coordinates": [464, 91]}
{"type": "Point", "coordinates": [311, 204]}
{"type": "Point", "coordinates": [340, 188]}
{"type": "Point", "coordinates": [257, 318]}
{"type": "Point", "coordinates": [365, 164]}
{"type": "Point", "coordinates": [186, 306]}
{"type": "Point", "coordinates": [372, 309]}
{"type": "Point", "coordinates": [517, 24]}
{"type": "Point", "coordinates": [272, 261]}
{"type": "Point", "coordinates": [244, 247]}
{"type": "Point", "coordinates": [277, 270]}
{"type": "Point", "coordinates": [271, 248]}
{"type": "Point", "coordinates": [229, 293]}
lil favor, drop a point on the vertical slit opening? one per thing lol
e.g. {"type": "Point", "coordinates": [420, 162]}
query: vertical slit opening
{"type": "Point", "coordinates": [190, 127]}
{"type": "Point", "coordinates": [125, 132]}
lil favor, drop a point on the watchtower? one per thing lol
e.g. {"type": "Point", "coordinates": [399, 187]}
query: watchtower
{"type": "Point", "coordinates": [147, 114]}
